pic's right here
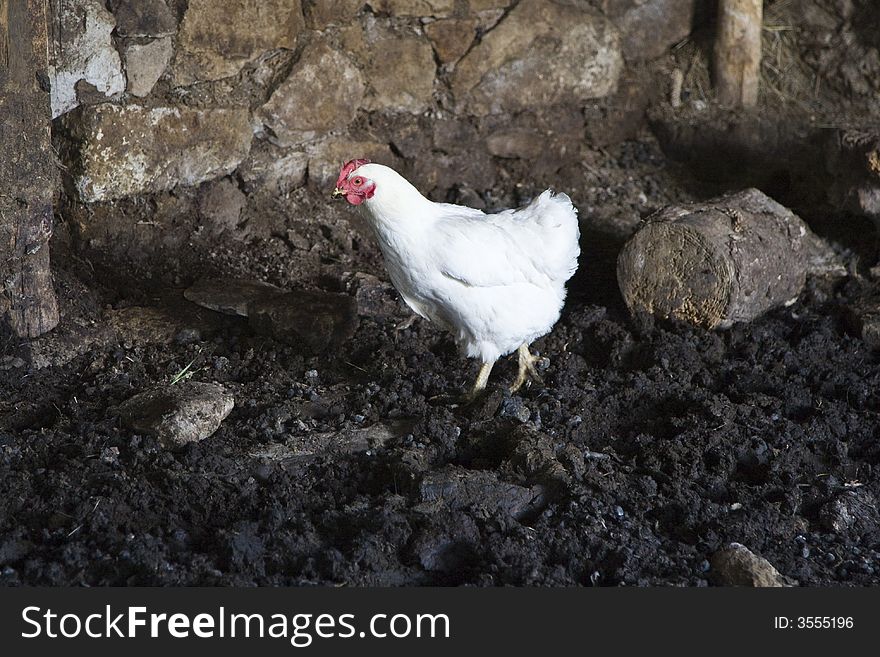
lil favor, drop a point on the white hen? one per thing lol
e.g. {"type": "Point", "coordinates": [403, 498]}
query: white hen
{"type": "Point", "coordinates": [495, 281]}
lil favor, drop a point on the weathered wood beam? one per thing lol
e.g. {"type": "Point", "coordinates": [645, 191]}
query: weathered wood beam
{"type": "Point", "coordinates": [28, 175]}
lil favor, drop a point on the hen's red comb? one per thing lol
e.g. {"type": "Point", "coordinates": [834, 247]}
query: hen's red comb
{"type": "Point", "coordinates": [349, 166]}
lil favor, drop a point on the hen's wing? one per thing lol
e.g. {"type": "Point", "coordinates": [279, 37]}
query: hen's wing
{"type": "Point", "coordinates": [536, 244]}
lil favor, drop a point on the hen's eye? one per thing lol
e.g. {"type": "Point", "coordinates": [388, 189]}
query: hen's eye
{"type": "Point", "coordinates": [357, 182]}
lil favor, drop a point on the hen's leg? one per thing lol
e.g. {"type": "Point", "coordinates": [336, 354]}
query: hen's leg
{"type": "Point", "coordinates": [526, 368]}
{"type": "Point", "coordinates": [482, 379]}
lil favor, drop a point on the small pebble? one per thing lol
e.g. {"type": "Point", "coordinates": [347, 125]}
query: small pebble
{"type": "Point", "coordinates": [262, 473]}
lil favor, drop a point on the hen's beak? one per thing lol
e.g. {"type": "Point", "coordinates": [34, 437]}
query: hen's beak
{"type": "Point", "coordinates": [337, 193]}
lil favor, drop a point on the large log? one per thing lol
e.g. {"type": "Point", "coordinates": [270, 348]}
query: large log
{"type": "Point", "coordinates": [28, 176]}
{"type": "Point", "coordinates": [738, 52]}
{"type": "Point", "coordinates": [723, 261]}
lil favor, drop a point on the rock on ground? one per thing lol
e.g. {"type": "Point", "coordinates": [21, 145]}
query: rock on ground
{"type": "Point", "coordinates": [217, 39]}
{"type": "Point", "coordinates": [315, 322]}
{"type": "Point", "coordinates": [83, 56]}
{"type": "Point", "coordinates": [323, 92]}
{"type": "Point", "coordinates": [374, 298]}
{"type": "Point", "coordinates": [229, 296]}
{"type": "Point", "coordinates": [864, 318]}
{"type": "Point", "coordinates": [736, 565]}
{"type": "Point", "coordinates": [353, 441]}
{"type": "Point", "coordinates": [70, 339]}
{"type": "Point", "coordinates": [178, 414]}
{"type": "Point", "coordinates": [117, 151]}
{"type": "Point", "coordinates": [459, 488]}
{"type": "Point", "coordinates": [143, 324]}
{"type": "Point", "coordinates": [540, 54]}
{"type": "Point", "coordinates": [852, 509]}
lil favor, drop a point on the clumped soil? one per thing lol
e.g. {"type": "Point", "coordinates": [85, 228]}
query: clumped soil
{"type": "Point", "coordinates": [645, 449]}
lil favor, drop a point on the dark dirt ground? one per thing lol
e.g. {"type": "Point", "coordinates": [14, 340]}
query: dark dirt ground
{"type": "Point", "coordinates": [645, 450]}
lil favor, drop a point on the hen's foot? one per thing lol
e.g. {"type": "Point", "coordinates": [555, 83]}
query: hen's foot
{"type": "Point", "coordinates": [527, 368]}
{"type": "Point", "coordinates": [479, 385]}
{"type": "Point", "coordinates": [472, 395]}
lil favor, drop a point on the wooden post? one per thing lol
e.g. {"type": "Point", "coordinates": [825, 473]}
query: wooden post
{"type": "Point", "coordinates": [28, 176]}
{"type": "Point", "coordinates": [738, 52]}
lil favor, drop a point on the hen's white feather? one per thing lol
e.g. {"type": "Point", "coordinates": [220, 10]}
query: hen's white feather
{"type": "Point", "coordinates": [496, 281]}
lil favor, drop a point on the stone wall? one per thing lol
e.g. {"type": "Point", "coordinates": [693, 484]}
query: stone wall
{"type": "Point", "coordinates": [153, 94]}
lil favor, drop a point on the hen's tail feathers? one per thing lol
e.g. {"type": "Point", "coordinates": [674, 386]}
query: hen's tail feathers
{"type": "Point", "coordinates": [557, 217]}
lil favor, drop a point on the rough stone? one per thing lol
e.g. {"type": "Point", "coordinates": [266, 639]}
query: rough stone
{"type": "Point", "coordinates": [143, 325]}
{"type": "Point", "coordinates": [229, 296]}
{"type": "Point", "coordinates": [178, 414]}
{"type": "Point", "coordinates": [451, 37]}
{"type": "Point", "coordinates": [736, 565]}
{"type": "Point", "coordinates": [851, 510]}
{"type": "Point", "coordinates": [322, 93]}
{"type": "Point", "coordinates": [543, 54]}
{"type": "Point", "coordinates": [485, 5]}
{"type": "Point", "coordinates": [619, 116]}
{"type": "Point", "coordinates": [140, 325]}
{"type": "Point", "coordinates": [273, 169]}
{"type": "Point", "coordinates": [117, 151]}
{"type": "Point", "coordinates": [408, 84]}
{"type": "Point", "coordinates": [532, 454]}
{"type": "Point", "coordinates": [331, 12]}
{"type": "Point", "coordinates": [220, 205]}
{"type": "Point", "coordinates": [649, 27]}
{"type": "Point", "coordinates": [864, 317]}
{"type": "Point", "coordinates": [488, 19]}
{"type": "Point", "coordinates": [217, 39]}
{"type": "Point", "coordinates": [12, 363]}
{"type": "Point", "coordinates": [71, 339]}
{"type": "Point", "coordinates": [374, 297]}
{"type": "Point", "coordinates": [865, 199]}
{"type": "Point", "coordinates": [145, 63]}
{"type": "Point", "coordinates": [435, 8]}
{"type": "Point", "coordinates": [144, 18]}
{"type": "Point", "coordinates": [315, 322]}
{"type": "Point", "coordinates": [327, 157]}
{"type": "Point", "coordinates": [349, 441]}
{"type": "Point", "coordinates": [459, 488]}
{"type": "Point", "coordinates": [516, 144]}
{"type": "Point", "coordinates": [82, 54]}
